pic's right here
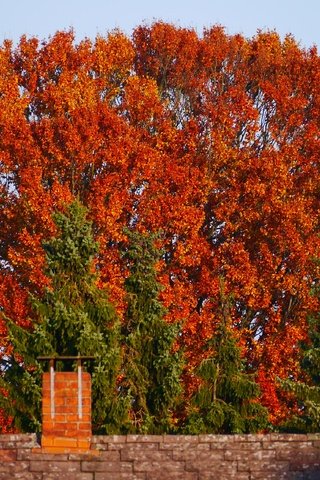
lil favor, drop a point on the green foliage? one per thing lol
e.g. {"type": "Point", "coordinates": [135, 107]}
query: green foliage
{"type": "Point", "coordinates": [152, 367]}
{"type": "Point", "coordinates": [227, 399]}
{"type": "Point", "coordinates": [307, 393]}
{"type": "Point", "coordinates": [74, 317]}
{"type": "Point", "coordinates": [21, 379]}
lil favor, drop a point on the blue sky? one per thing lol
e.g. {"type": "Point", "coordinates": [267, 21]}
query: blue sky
{"type": "Point", "coordinates": [90, 17]}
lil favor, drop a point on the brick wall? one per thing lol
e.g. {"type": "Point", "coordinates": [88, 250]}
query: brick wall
{"type": "Point", "coordinates": [134, 457]}
{"type": "Point", "coordinates": [66, 411]}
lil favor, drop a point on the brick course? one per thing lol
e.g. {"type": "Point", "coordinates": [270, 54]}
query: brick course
{"type": "Point", "coordinates": [167, 457]}
{"type": "Point", "coordinates": [62, 427]}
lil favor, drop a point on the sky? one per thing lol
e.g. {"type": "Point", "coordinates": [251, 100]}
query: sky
{"type": "Point", "coordinates": [42, 18]}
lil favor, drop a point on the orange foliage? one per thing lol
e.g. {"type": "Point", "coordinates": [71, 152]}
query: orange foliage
{"type": "Point", "coordinates": [213, 140]}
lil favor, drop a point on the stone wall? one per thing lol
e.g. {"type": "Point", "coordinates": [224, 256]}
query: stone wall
{"type": "Point", "coordinates": [134, 457]}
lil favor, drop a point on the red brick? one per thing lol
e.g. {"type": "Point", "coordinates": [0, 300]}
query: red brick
{"type": "Point", "coordinates": [250, 456]}
{"type": "Point", "coordinates": [13, 441]}
{"type": "Point", "coordinates": [65, 442]}
{"type": "Point", "coordinates": [184, 446]}
{"type": "Point", "coordinates": [46, 441]}
{"type": "Point", "coordinates": [62, 384]}
{"type": "Point", "coordinates": [174, 476]}
{"type": "Point", "coordinates": [267, 466]}
{"type": "Point", "coordinates": [54, 466]}
{"type": "Point", "coordinates": [105, 466]}
{"type": "Point", "coordinates": [48, 425]}
{"type": "Point", "coordinates": [180, 439]}
{"type": "Point", "coordinates": [263, 475]}
{"type": "Point", "coordinates": [86, 418]}
{"type": "Point", "coordinates": [164, 467]}
{"type": "Point", "coordinates": [66, 376]}
{"type": "Point", "coordinates": [8, 455]}
{"type": "Point", "coordinates": [154, 458]}
{"type": "Point", "coordinates": [28, 454]}
{"type": "Point", "coordinates": [144, 438]}
{"type": "Point", "coordinates": [224, 476]}
{"type": "Point", "coordinates": [121, 476]}
{"type": "Point", "coordinates": [251, 437]}
{"type": "Point", "coordinates": [58, 401]}
{"type": "Point", "coordinates": [82, 455]}
{"type": "Point", "coordinates": [211, 465]}
{"type": "Point", "coordinates": [72, 401]}
{"type": "Point", "coordinates": [130, 454]}
{"type": "Point", "coordinates": [279, 445]}
{"type": "Point", "coordinates": [73, 433]}
{"type": "Point", "coordinates": [198, 455]}
{"type": "Point", "coordinates": [54, 426]}
{"type": "Point", "coordinates": [58, 418]}
{"type": "Point", "coordinates": [21, 476]}
{"type": "Point", "coordinates": [69, 476]}
{"type": "Point", "coordinates": [14, 468]}
{"type": "Point", "coordinates": [216, 438]}
{"type": "Point", "coordinates": [62, 408]}
{"type": "Point", "coordinates": [134, 447]}
{"type": "Point", "coordinates": [84, 443]}
{"type": "Point", "coordinates": [302, 455]}
{"type": "Point", "coordinates": [84, 426]}
{"type": "Point", "coordinates": [287, 437]}
{"type": "Point", "coordinates": [106, 439]}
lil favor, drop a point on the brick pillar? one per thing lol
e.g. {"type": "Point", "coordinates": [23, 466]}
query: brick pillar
{"type": "Point", "coordinates": [66, 411]}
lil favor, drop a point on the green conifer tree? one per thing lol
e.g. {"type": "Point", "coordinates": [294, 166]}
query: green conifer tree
{"type": "Point", "coordinates": [152, 367]}
{"type": "Point", "coordinates": [74, 317]}
{"type": "Point", "coordinates": [227, 399]}
{"type": "Point", "coordinates": [306, 393]}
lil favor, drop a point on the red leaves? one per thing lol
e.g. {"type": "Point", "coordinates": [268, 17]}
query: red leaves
{"type": "Point", "coordinates": [212, 140]}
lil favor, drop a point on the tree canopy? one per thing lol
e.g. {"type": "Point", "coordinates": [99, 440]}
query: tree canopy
{"type": "Point", "coordinates": [212, 139]}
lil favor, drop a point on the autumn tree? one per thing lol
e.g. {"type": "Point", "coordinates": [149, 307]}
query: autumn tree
{"type": "Point", "coordinates": [254, 213]}
{"type": "Point", "coordinates": [212, 139]}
